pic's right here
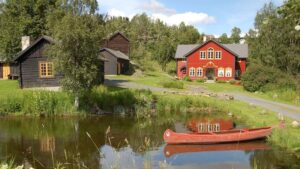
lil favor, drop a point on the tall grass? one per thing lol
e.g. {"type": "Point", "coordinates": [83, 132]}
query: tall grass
{"type": "Point", "coordinates": [173, 84]}
{"type": "Point", "coordinates": [47, 103]}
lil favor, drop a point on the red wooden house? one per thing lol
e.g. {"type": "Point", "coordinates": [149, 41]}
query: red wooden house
{"type": "Point", "coordinates": [211, 60]}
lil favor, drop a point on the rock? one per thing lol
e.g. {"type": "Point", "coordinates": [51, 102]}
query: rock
{"type": "Point", "coordinates": [230, 97]}
{"type": "Point", "coordinates": [230, 114]}
{"type": "Point", "coordinates": [295, 124]}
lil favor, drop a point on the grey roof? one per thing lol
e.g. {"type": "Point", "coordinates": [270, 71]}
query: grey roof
{"type": "Point", "coordinates": [239, 50]}
{"type": "Point", "coordinates": [47, 38]}
{"type": "Point", "coordinates": [183, 50]}
{"type": "Point", "coordinates": [116, 53]}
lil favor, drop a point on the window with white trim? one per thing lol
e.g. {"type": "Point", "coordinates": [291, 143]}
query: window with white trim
{"type": "Point", "coordinates": [210, 53]}
{"type": "Point", "coordinates": [202, 55]}
{"type": "Point", "coordinates": [221, 72]}
{"type": "Point", "coordinates": [228, 72]}
{"type": "Point", "coordinates": [192, 72]}
{"type": "Point", "coordinates": [199, 72]}
{"type": "Point", "coordinates": [218, 55]}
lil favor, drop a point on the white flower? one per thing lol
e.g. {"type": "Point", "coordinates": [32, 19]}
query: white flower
{"type": "Point", "coordinates": [4, 166]}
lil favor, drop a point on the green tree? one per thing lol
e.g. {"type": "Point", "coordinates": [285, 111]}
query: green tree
{"type": "Point", "coordinates": [78, 38]}
{"type": "Point", "coordinates": [235, 35]}
{"type": "Point", "coordinates": [19, 18]}
{"type": "Point", "coordinates": [224, 38]}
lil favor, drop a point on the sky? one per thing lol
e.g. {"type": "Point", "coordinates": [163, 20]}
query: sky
{"type": "Point", "coordinates": [208, 16]}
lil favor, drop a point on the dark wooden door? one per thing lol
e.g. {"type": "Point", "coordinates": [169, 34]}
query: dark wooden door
{"type": "Point", "coordinates": [210, 73]}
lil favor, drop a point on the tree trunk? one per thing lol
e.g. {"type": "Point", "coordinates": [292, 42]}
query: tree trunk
{"type": "Point", "coordinates": [76, 103]}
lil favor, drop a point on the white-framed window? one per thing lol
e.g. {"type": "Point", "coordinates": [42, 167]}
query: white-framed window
{"type": "Point", "coordinates": [221, 72]}
{"type": "Point", "coordinates": [210, 53]}
{"type": "Point", "coordinates": [199, 72]}
{"type": "Point", "coordinates": [218, 55]}
{"type": "Point", "coordinates": [202, 54]}
{"type": "Point", "coordinates": [228, 72]}
{"type": "Point", "coordinates": [192, 72]}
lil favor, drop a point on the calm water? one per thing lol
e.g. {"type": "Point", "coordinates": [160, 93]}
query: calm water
{"type": "Point", "coordinates": [127, 143]}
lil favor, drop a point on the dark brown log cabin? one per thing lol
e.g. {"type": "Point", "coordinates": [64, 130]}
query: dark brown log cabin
{"type": "Point", "coordinates": [116, 50]}
{"type": "Point", "coordinates": [35, 68]}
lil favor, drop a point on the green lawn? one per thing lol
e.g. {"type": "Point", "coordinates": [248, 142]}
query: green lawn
{"type": "Point", "coordinates": [9, 87]}
{"type": "Point", "coordinates": [157, 77]}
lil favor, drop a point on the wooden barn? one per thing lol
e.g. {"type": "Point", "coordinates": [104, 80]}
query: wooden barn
{"type": "Point", "coordinates": [116, 50]}
{"type": "Point", "coordinates": [36, 69]}
{"type": "Point", "coordinates": [211, 60]}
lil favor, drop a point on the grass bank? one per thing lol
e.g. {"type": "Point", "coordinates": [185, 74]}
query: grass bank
{"type": "Point", "coordinates": [288, 138]}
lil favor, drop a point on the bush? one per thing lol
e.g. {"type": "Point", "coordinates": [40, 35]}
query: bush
{"type": "Point", "coordinates": [173, 84]}
{"type": "Point", "coordinates": [201, 80]}
{"type": "Point", "coordinates": [186, 78]}
{"type": "Point", "coordinates": [171, 68]}
{"type": "Point", "coordinates": [264, 78]}
{"type": "Point", "coordinates": [221, 81]}
{"type": "Point", "coordinates": [232, 82]}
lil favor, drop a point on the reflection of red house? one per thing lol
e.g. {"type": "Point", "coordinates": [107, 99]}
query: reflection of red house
{"type": "Point", "coordinates": [216, 125]}
{"type": "Point", "coordinates": [211, 60]}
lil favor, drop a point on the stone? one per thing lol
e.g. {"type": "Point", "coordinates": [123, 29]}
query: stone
{"type": "Point", "coordinates": [230, 114]}
{"type": "Point", "coordinates": [295, 124]}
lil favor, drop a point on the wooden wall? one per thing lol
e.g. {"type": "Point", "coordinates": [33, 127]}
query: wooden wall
{"type": "Point", "coordinates": [118, 42]}
{"type": "Point", "coordinates": [110, 66]}
{"type": "Point", "coordinates": [29, 68]}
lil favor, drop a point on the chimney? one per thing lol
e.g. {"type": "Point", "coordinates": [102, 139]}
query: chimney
{"type": "Point", "coordinates": [204, 38]}
{"type": "Point", "coordinates": [25, 42]}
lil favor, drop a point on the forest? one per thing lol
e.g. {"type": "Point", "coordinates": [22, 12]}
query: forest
{"type": "Point", "coordinates": [274, 52]}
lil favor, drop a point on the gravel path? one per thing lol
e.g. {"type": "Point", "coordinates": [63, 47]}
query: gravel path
{"type": "Point", "coordinates": [285, 109]}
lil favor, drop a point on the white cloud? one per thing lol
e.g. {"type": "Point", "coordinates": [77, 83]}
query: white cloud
{"type": "Point", "coordinates": [157, 7]}
{"type": "Point", "coordinates": [155, 10]}
{"type": "Point", "coordinates": [190, 18]}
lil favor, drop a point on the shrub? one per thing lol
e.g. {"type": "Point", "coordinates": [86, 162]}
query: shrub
{"type": "Point", "coordinates": [232, 82]}
{"type": "Point", "coordinates": [186, 78]}
{"type": "Point", "coordinates": [221, 81]}
{"type": "Point", "coordinates": [201, 80]}
{"type": "Point", "coordinates": [171, 68]}
{"type": "Point", "coordinates": [173, 84]}
{"type": "Point", "coordinates": [264, 78]}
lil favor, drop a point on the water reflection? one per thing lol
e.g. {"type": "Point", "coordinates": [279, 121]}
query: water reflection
{"type": "Point", "coordinates": [40, 142]}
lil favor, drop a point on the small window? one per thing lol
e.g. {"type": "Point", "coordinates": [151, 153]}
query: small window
{"type": "Point", "coordinates": [192, 72]}
{"type": "Point", "coordinates": [199, 72]}
{"type": "Point", "coordinates": [202, 55]}
{"type": "Point", "coordinates": [218, 55]}
{"type": "Point", "coordinates": [220, 72]}
{"type": "Point", "coordinates": [46, 69]}
{"type": "Point", "coordinates": [228, 72]}
{"type": "Point", "coordinates": [210, 53]}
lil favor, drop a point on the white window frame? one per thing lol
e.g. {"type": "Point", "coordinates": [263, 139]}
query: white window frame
{"type": "Point", "coordinates": [202, 54]}
{"type": "Point", "coordinates": [210, 53]}
{"type": "Point", "coordinates": [192, 72]}
{"type": "Point", "coordinates": [221, 70]}
{"type": "Point", "coordinates": [199, 72]}
{"type": "Point", "coordinates": [228, 72]}
{"type": "Point", "coordinates": [218, 55]}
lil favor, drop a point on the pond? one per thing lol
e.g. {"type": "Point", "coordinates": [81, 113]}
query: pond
{"type": "Point", "coordinates": [125, 142]}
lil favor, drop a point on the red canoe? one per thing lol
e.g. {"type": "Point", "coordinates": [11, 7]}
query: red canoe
{"type": "Point", "coordinates": [236, 135]}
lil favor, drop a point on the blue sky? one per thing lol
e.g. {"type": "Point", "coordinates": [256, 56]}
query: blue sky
{"type": "Point", "coordinates": [208, 16]}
